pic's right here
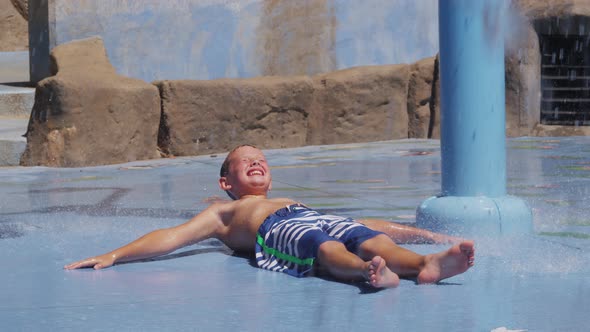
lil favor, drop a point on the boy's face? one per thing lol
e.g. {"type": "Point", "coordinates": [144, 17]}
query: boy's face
{"type": "Point", "coordinates": [248, 173]}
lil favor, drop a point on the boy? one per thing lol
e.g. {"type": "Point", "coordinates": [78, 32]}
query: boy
{"type": "Point", "coordinates": [292, 238]}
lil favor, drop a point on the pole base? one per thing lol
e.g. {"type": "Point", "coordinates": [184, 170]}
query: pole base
{"type": "Point", "coordinates": [475, 216]}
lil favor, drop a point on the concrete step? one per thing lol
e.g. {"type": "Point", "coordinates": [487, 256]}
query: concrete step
{"type": "Point", "coordinates": [16, 101]}
{"type": "Point", "coordinates": [12, 142]}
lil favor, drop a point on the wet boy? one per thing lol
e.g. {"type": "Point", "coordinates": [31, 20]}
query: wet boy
{"type": "Point", "coordinates": [289, 237]}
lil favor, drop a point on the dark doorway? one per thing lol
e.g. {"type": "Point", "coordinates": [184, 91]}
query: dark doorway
{"type": "Point", "coordinates": [565, 70]}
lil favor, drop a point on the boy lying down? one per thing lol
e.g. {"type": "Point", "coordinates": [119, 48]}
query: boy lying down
{"type": "Point", "coordinates": [289, 237]}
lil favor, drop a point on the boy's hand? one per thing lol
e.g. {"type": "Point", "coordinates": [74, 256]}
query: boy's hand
{"type": "Point", "coordinates": [97, 263]}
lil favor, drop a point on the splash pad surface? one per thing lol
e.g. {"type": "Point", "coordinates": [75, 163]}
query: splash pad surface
{"type": "Point", "coordinates": [50, 217]}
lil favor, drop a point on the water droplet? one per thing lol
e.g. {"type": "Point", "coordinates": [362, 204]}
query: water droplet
{"type": "Point", "coordinates": [561, 53]}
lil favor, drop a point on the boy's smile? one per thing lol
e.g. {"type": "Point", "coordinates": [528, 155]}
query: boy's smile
{"type": "Point", "coordinates": [255, 172]}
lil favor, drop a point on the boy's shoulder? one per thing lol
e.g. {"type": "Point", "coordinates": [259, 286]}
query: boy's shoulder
{"type": "Point", "coordinates": [248, 204]}
{"type": "Point", "coordinates": [228, 205]}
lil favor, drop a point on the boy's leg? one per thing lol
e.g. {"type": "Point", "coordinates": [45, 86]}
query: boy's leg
{"type": "Point", "coordinates": [404, 234]}
{"type": "Point", "coordinates": [402, 261]}
{"type": "Point", "coordinates": [428, 269]}
{"type": "Point", "coordinates": [344, 265]}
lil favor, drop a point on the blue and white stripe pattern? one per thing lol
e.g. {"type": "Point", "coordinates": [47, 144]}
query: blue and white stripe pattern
{"type": "Point", "coordinates": [288, 240]}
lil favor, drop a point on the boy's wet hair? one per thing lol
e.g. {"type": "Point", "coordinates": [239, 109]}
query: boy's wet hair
{"type": "Point", "coordinates": [225, 166]}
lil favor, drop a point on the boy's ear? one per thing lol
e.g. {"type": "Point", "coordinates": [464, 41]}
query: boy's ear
{"type": "Point", "coordinates": [223, 184]}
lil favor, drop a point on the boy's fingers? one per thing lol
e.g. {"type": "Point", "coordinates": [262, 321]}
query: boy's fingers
{"type": "Point", "coordinates": [80, 264]}
{"type": "Point", "coordinates": [71, 266]}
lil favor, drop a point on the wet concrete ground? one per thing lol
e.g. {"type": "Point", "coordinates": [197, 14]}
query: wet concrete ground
{"type": "Point", "coordinates": [50, 217]}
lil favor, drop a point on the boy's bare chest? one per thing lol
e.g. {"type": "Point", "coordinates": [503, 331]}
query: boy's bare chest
{"type": "Point", "coordinates": [240, 232]}
{"type": "Point", "coordinates": [255, 213]}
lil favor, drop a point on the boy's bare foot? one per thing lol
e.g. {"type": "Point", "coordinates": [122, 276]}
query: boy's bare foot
{"type": "Point", "coordinates": [442, 265]}
{"type": "Point", "coordinates": [379, 275]}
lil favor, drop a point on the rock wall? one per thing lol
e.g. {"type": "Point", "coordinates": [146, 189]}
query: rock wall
{"type": "Point", "coordinates": [86, 114]}
{"type": "Point", "coordinates": [360, 104]}
{"type": "Point", "coordinates": [200, 117]}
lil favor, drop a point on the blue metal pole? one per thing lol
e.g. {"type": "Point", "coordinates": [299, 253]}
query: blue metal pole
{"type": "Point", "coordinates": [472, 97]}
{"type": "Point", "coordinates": [473, 150]}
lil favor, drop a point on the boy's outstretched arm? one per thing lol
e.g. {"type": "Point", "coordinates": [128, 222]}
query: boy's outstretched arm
{"type": "Point", "coordinates": [159, 242]}
{"type": "Point", "coordinates": [403, 234]}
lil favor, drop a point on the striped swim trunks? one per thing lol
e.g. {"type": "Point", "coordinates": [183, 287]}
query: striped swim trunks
{"type": "Point", "coordinates": [289, 239]}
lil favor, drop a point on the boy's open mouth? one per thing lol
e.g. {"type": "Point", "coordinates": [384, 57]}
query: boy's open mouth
{"type": "Point", "coordinates": [255, 172]}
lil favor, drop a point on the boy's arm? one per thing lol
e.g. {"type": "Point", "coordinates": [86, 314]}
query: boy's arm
{"type": "Point", "coordinates": [403, 234]}
{"type": "Point", "coordinates": [162, 241]}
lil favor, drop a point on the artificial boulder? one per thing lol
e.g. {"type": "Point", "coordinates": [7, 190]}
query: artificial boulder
{"type": "Point", "coordinates": [86, 114]}
{"type": "Point", "coordinates": [360, 104]}
{"type": "Point", "coordinates": [201, 117]}
{"type": "Point", "coordinates": [421, 104]}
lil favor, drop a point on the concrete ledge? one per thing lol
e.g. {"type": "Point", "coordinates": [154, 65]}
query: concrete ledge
{"type": "Point", "coordinates": [16, 102]}
{"type": "Point", "coordinates": [10, 152]}
{"type": "Point", "coordinates": [12, 143]}
{"type": "Point", "coordinates": [555, 131]}
{"type": "Point", "coordinates": [13, 129]}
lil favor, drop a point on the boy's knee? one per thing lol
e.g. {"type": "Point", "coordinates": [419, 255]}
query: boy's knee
{"type": "Point", "coordinates": [329, 247]}
{"type": "Point", "coordinates": [377, 239]}
{"type": "Point", "coordinates": [375, 244]}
